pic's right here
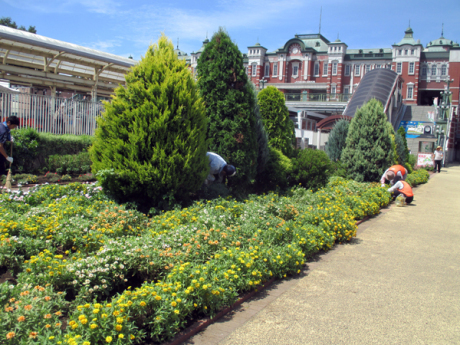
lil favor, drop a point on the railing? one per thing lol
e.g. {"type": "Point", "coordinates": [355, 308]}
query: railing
{"type": "Point", "coordinates": [317, 97]}
{"type": "Point", "coordinates": [51, 114]}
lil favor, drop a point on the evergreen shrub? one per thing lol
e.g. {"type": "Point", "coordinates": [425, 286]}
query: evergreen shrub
{"type": "Point", "coordinates": [400, 149]}
{"type": "Point", "coordinates": [150, 145]}
{"type": "Point", "coordinates": [311, 169]}
{"type": "Point", "coordinates": [262, 136]}
{"type": "Point", "coordinates": [229, 100]}
{"type": "Point", "coordinates": [277, 171]}
{"type": "Point", "coordinates": [402, 133]}
{"type": "Point", "coordinates": [368, 151]}
{"type": "Point", "coordinates": [275, 116]}
{"type": "Point", "coordinates": [337, 139]}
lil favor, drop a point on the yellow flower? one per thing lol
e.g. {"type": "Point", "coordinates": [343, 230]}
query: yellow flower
{"type": "Point", "coordinates": [95, 311]}
{"type": "Point", "coordinates": [118, 328]}
{"type": "Point", "coordinates": [93, 326]}
{"type": "Point", "coordinates": [51, 338]}
{"type": "Point", "coordinates": [132, 337]}
{"type": "Point", "coordinates": [176, 311]}
{"type": "Point", "coordinates": [108, 339]}
{"type": "Point", "coordinates": [158, 298]}
{"type": "Point", "coordinates": [173, 303]}
{"type": "Point", "coordinates": [143, 304]}
{"type": "Point", "coordinates": [119, 319]}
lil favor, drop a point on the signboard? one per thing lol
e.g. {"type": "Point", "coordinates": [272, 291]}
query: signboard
{"type": "Point", "coordinates": [425, 159]}
{"type": "Point", "coordinates": [415, 129]}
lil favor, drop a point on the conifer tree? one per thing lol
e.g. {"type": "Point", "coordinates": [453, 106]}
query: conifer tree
{"type": "Point", "coordinates": [337, 138]}
{"type": "Point", "coordinates": [263, 155]}
{"type": "Point", "coordinates": [368, 150]}
{"type": "Point", "coordinates": [402, 133]}
{"type": "Point", "coordinates": [150, 145]}
{"type": "Point", "coordinates": [391, 132]}
{"type": "Point", "coordinates": [400, 149]}
{"type": "Point", "coordinates": [229, 103]}
{"type": "Point", "coordinates": [275, 115]}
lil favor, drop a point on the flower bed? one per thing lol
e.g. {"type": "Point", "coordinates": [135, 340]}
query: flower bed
{"type": "Point", "coordinates": [116, 276]}
{"type": "Point", "coordinates": [419, 176]}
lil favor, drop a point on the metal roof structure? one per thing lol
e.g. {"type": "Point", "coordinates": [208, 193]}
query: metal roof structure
{"type": "Point", "coordinates": [39, 61]}
{"type": "Point", "coordinates": [378, 83]}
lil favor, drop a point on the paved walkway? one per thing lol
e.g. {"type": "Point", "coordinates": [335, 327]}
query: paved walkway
{"type": "Point", "coordinates": [398, 282]}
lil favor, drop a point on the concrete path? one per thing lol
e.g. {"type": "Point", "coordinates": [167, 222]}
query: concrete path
{"type": "Point", "coordinates": [398, 282]}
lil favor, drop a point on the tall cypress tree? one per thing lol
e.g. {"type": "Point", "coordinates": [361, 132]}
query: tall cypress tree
{"type": "Point", "coordinates": [150, 145]}
{"type": "Point", "coordinates": [402, 133]}
{"type": "Point", "coordinates": [368, 150]}
{"type": "Point", "coordinates": [275, 115]}
{"type": "Point", "coordinates": [337, 138]}
{"type": "Point", "coordinates": [229, 103]}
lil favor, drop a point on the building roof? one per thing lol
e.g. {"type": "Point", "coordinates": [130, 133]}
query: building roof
{"type": "Point", "coordinates": [377, 83]}
{"type": "Point", "coordinates": [408, 38]}
{"type": "Point", "coordinates": [441, 44]}
{"type": "Point", "coordinates": [32, 59]}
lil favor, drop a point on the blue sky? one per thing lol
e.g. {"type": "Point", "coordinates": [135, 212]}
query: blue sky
{"type": "Point", "coordinates": [128, 27]}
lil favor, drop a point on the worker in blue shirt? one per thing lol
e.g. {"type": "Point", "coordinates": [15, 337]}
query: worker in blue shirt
{"type": "Point", "coordinates": [218, 169]}
{"type": "Point", "coordinates": [11, 123]}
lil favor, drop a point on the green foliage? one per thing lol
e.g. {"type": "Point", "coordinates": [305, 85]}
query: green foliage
{"type": "Point", "coordinates": [391, 132]}
{"type": "Point", "coordinates": [31, 149]}
{"type": "Point", "coordinates": [150, 146]}
{"type": "Point", "coordinates": [402, 133]}
{"type": "Point", "coordinates": [262, 136]}
{"type": "Point", "coordinates": [340, 170]}
{"type": "Point", "coordinates": [229, 100]}
{"type": "Point", "coordinates": [276, 172]}
{"type": "Point", "coordinates": [6, 21]}
{"type": "Point", "coordinates": [411, 161]}
{"type": "Point", "coordinates": [337, 139]}
{"type": "Point", "coordinates": [400, 149]}
{"type": "Point", "coordinates": [368, 151]}
{"type": "Point", "coordinates": [311, 169]}
{"type": "Point", "coordinates": [275, 116]}
{"type": "Point", "coordinates": [70, 164]}
{"type": "Point", "coordinates": [419, 176]}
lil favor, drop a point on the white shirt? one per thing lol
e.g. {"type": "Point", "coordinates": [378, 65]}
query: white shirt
{"type": "Point", "coordinates": [398, 185]}
{"type": "Point", "coordinates": [438, 155]}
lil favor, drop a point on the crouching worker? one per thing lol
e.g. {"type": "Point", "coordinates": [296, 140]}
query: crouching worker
{"type": "Point", "coordinates": [393, 172]}
{"type": "Point", "coordinates": [403, 188]}
{"type": "Point", "coordinates": [219, 169]}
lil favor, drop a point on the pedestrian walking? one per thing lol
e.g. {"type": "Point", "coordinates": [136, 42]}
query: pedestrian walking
{"type": "Point", "coordinates": [437, 157]}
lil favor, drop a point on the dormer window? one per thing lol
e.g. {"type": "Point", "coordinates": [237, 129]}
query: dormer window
{"type": "Point", "coordinates": [317, 44]}
{"type": "Point", "coordinates": [412, 52]}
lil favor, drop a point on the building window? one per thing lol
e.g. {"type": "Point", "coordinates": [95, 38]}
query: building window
{"type": "Point", "coordinates": [368, 68]}
{"type": "Point", "coordinates": [412, 52]}
{"type": "Point", "coordinates": [405, 52]}
{"type": "Point", "coordinates": [275, 68]}
{"type": "Point", "coordinates": [410, 92]}
{"type": "Point", "coordinates": [400, 52]}
{"type": "Point", "coordinates": [325, 65]}
{"type": "Point", "coordinates": [357, 68]}
{"type": "Point", "coordinates": [267, 69]}
{"type": "Point", "coordinates": [347, 70]}
{"type": "Point", "coordinates": [434, 70]}
{"type": "Point", "coordinates": [333, 90]}
{"type": "Point", "coordinates": [316, 69]}
{"type": "Point", "coordinates": [424, 71]}
{"type": "Point", "coordinates": [295, 71]}
{"type": "Point", "coordinates": [334, 68]}
{"type": "Point", "coordinates": [399, 67]}
{"type": "Point", "coordinates": [254, 69]}
{"type": "Point", "coordinates": [411, 67]}
{"type": "Point", "coordinates": [444, 70]}
{"type": "Point", "coordinates": [378, 66]}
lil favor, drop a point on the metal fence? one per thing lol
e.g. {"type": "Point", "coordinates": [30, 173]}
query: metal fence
{"type": "Point", "coordinates": [317, 97]}
{"type": "Point", "coordinates": [51, 114]}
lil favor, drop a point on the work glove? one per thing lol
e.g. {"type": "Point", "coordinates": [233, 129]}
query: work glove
{"type": "Point", "coordinates": [12, 139]}
{"type": "Point", "coordinates": [10, 159]}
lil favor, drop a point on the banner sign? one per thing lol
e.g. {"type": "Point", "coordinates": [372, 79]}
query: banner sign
{"type": "Point", "coordinates": [415, 129]}
{"type": "Point", "coordinates": [425, 159]}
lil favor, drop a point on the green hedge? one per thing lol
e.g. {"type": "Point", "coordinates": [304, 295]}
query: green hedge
{"type": "Point", "coordinates": [419, 176]}
{"type": "Point", "coordinates": [32, 149]}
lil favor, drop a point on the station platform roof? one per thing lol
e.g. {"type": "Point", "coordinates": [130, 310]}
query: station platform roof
{"type": "Point", "coordinates": [39, 61]}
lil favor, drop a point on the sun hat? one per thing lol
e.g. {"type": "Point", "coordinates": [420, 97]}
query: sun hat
{"type": "Point", "coordinates": [439, 147]}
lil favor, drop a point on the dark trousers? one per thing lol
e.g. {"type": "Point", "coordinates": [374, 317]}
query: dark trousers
{"type": "Point", "coordinates": [437, 165]}
{"type": "Point", "coordinates": [3, 162]}
{"type": "Point", "coordinates": [408, 198]}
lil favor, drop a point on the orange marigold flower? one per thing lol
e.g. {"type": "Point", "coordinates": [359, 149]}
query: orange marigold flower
{"type": "Point", "coordinates": [21, 318]}
{"type": "Point", "coordinates": [47, 298]}
{"type": "Point", "coordinates": [48, 326]}
{"type": "Point", "coordinates": [58, 313]}
{"type": "Point", "coordinates": [10, 335]}
{"type": "Point", "coordinates": [7, 309]}
{"type": "Point", "coordinates": [47, 316]}
{"type": "Point", "coordinates": [33, 335]}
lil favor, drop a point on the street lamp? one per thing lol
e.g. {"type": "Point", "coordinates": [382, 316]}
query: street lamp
{"type": "Point", "coordinates": [442, 122]}
{"type": "Point", "coordinates": [262, 81]}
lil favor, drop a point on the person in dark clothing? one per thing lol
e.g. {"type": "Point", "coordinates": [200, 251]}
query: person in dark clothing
{"type": "Point", "coordinates": [11, 123]}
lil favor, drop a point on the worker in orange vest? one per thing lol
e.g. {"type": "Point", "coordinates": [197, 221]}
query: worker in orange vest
{"type": "Point", "coordinates": [392, 172]}
{"type": "Point", "coordinates": [402, 187]}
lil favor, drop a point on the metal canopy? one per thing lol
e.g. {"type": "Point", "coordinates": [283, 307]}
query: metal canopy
{"type": "Point", "coordinates": [35, 60]}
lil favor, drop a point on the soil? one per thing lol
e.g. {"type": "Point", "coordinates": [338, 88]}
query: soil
{"type": "Point", "coordinates": [42, 179]}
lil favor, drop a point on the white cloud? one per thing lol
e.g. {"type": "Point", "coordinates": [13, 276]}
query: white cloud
{"type": "Point", "coordinates": [66, 6]}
